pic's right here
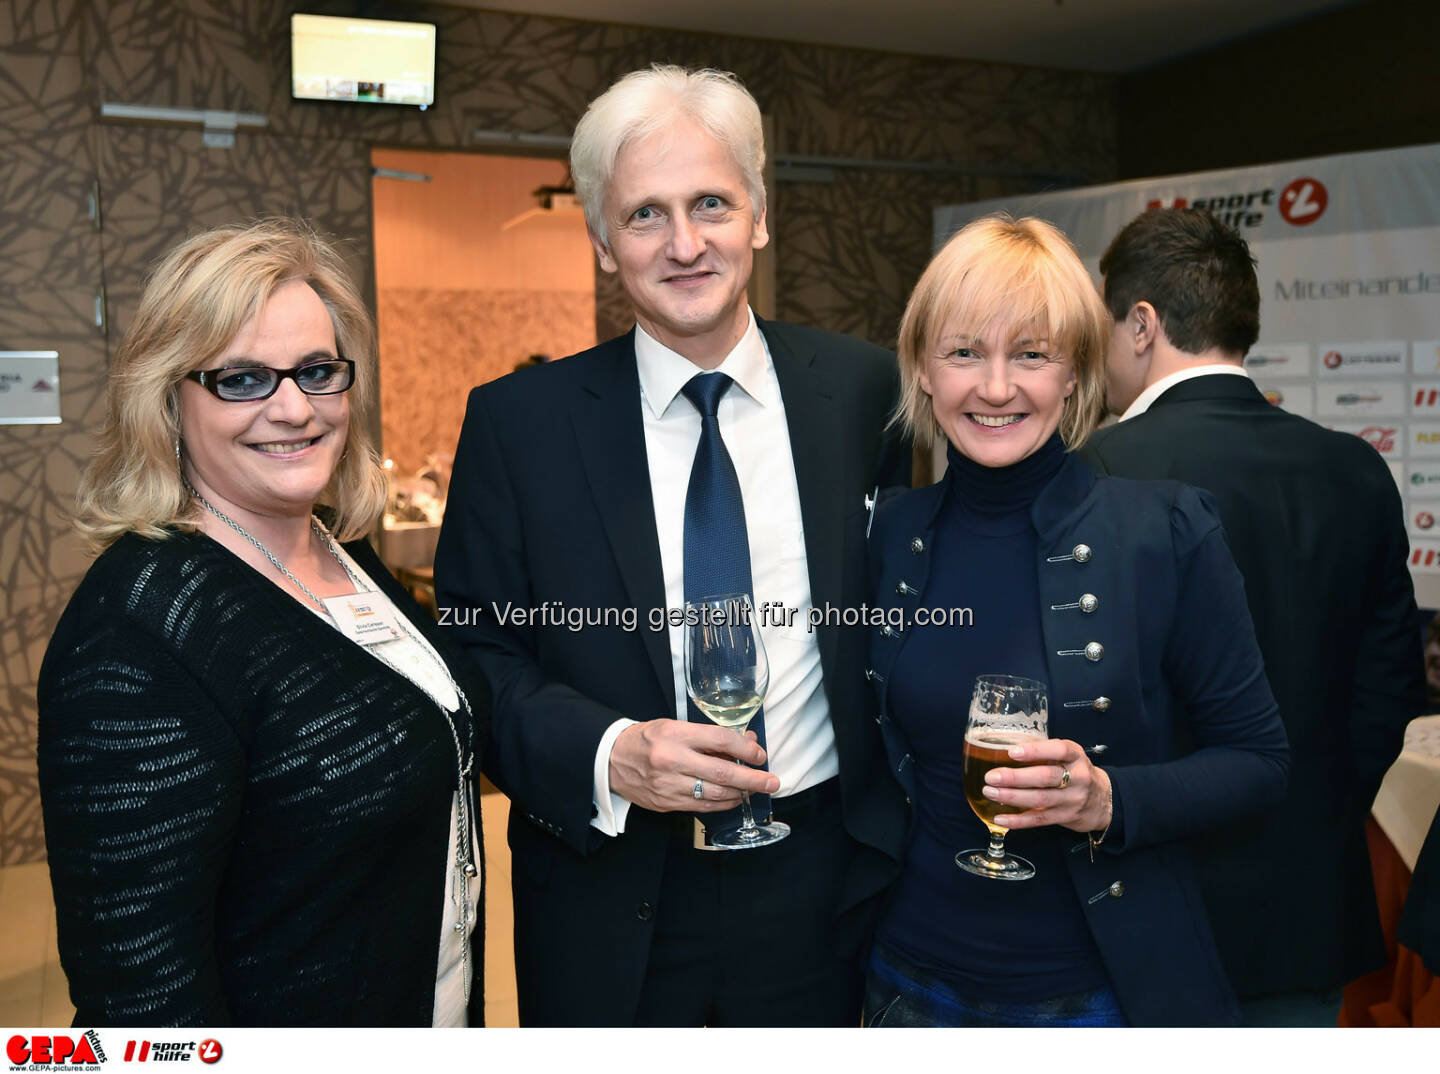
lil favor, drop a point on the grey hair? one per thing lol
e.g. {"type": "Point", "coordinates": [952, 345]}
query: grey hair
{"type": "Point", "coordinates": [646, 102]}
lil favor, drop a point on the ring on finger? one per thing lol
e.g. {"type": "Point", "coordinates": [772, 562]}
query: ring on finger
{"type": "Point", "coordinates": [698, 791]}
{"type": "Point", "coordinates": [1064, 779]}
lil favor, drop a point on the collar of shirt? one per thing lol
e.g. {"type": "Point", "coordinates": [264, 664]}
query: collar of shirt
{"type": "Point", "coordinates": [1164, 384]}
{"type": "Point", "coordinates": [664, 372]}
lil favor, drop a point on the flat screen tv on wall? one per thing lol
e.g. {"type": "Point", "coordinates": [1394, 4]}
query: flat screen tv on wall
{"type": "Point", "coordinates": [371, 61]}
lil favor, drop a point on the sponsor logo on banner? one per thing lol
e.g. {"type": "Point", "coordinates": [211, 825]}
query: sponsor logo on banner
{"type": "Point", "coordinates": [1420, 477]}
{"type": "Point", "coordinates": [1425, 397]}
{"type": "Point", "coordinates": [1384, 357]}
{"type": "Point", "coordinates": [144, 1051]}
{"type": "Point", "coordinates": [1303, 201]}
{"type": "Point", "coordinates": [1343, 400]}
{"type": "Point", "coordinates": [1424, 442]}
{"type": "Point", "coordinates": [1425, 557]}
{"type": "Point", "coordinates": [1423, 518]}
{"type": "Point", "coordinates": [1279, 361]}
{"type": "Point", "coordinates": [1384, 438]}
{"type": "Point", "coordinates": [45, 1052]}
{"type": "Point", "coordinates": [1235, 208]}
{"type": "Point", "coordinates": [1294, 398]}
{"type": "Point", "coordinates": [1425, 357]}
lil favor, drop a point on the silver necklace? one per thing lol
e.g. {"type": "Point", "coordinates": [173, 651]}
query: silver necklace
{"type": "Point", "coordinates": [314, 528]}
{"type": "Point", "coordinates": [465, 868]}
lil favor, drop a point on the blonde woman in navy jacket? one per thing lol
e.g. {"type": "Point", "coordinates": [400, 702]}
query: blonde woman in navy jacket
{"type": "Point", "coordinates": [1121, 596]}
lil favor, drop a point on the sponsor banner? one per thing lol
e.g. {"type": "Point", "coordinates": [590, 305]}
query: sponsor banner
{"type": "Point", "coordinates": [1423, 441]}
{"type": "Point", "coordinates": [1388, 438]}
{"type": "Point", "coordinates": [1425, 358]}
{"type": "Point", "coordinates": [1423, 518]}
{"type": "Point", "coordinates": [1397, 471]}
{"type": "Point", "coordinates": [1278, 361]}
{"type": "Point", "coordinates": [1296, 398]}
{"type": "Point", "coordinates": [1376, 359]}
{"type": "Point", "coordinates": [1351, 398]}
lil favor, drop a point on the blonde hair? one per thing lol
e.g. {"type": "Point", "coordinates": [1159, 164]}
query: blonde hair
{"type": "Point", "coordinates": [648, 102]}
{"type": "Point", "coordinates": [1022, 271]}
{"type": "Point", "coordinates": [194, 303]}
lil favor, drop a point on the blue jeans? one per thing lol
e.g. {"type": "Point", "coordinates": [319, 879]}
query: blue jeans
{"type": "Point", "coordinates": [900, 994]}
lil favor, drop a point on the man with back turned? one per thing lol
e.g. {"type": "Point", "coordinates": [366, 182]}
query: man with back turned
{"type": "Point", "coordinates": [706, 450]}
{"type": "Point", "coordinates": [1315, 523]}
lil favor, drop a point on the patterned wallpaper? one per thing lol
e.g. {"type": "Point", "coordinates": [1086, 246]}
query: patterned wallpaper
{"type": "Point", "coordinates": [847, 251]}
{"type": "Point", "coordinates": [453, 340]}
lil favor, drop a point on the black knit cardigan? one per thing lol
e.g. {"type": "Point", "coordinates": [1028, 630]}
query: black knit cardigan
{"type": "Point", "coordinates": [245, 812]}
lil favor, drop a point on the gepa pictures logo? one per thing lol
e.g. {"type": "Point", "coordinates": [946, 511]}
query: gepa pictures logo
{"type": "Point", "coordinates": [40, 1050]}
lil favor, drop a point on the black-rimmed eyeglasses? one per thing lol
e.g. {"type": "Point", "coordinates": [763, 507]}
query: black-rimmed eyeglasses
{"type": "Point", "coordinates": [248, 383]}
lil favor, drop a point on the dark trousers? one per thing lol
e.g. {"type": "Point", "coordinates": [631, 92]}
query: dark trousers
{"type": "Point", "coordinates": [746, 937]}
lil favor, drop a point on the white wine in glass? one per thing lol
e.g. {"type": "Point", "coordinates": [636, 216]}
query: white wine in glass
{"type": "Point", "coordinates": [726, 675]}
{"type": "Point", "coordinates": [1005, 711]}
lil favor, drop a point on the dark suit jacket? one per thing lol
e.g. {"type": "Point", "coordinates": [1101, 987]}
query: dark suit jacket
{"type": "Point", "coordinates": [551, 502]}
{"type": "Point", "coordinates": [1314, 520]}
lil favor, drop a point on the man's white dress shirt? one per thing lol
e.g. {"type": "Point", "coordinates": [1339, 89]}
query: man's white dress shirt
{"type": "Point", "coordinates": [799, 739]}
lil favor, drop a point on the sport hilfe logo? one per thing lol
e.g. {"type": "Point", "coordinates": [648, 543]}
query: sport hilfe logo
{"type": "Point", "coordinates": [1301, 202]}
{"type": "Point", "coordinates": [41, 1050]}
{"type": "Point", "coordinates": [144, 1051]}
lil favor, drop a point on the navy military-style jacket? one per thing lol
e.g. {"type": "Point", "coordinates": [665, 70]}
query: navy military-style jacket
{"type": "Point", "coordinates": [1153, 668]}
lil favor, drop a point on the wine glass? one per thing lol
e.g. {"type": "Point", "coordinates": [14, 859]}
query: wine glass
{"type": "Point", "coordinates": [726, 675]}
{"type": "Point", "coordinates": [1005, 711]}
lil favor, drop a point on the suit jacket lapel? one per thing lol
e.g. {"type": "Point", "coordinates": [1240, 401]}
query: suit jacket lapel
{"type": "Point", "coordinates": [815, 438]}
{"type": "Point", "coordinates": [610, 432]}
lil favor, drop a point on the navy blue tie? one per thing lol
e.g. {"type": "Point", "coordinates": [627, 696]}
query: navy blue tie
{"type": "Point", "coordinates": [717, 547]}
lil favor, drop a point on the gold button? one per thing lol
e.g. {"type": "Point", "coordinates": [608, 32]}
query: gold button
{"type": "Point", "coordinates": [1117, 889]}
{"type": "Point", "coordinates": [1094, 651]}
{"type": "Point", "coordinates": [917, 545]}
{"type": "Point", "coordinates": [1081, 552]}
{"type": "Point", "coordinates": [1101, 704]}
{"type": "Point", "coordinates": [1089, 602]}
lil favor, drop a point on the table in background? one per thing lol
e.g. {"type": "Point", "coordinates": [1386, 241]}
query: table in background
{"type": "Point", "coordinates": [1404, 993]}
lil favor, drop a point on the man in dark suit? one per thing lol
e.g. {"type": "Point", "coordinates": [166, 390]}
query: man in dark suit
{"type": "Point", "coordinates": [589, 496]}
{"type": "Point", "coordinates": [1315, 523]}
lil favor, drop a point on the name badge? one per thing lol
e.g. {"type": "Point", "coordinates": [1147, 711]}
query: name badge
{"type": "Point", "coordinates": [365, 618]}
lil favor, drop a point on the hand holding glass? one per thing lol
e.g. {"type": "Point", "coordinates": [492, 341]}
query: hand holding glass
{"type": "Point", "coordinates": [1005, 711]}
{"type": "Point", "coordinates": [726, 675]}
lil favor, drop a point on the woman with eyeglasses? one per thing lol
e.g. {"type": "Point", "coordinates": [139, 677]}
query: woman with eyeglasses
{"type": "Point", "coordinates": [257, 755]}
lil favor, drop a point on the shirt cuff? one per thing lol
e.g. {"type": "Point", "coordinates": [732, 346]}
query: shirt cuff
{"type": "Point", "coordinates": [610, 809]}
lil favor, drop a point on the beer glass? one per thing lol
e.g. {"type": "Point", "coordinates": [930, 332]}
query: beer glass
{"type": "Point", "coordinates": [726, 675]}
{"type": "Point", "coordinates": [1005, 711]}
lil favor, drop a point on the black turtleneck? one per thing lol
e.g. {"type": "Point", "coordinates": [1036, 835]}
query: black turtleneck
{"type": "Point", "coordinates": [974, 932]}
